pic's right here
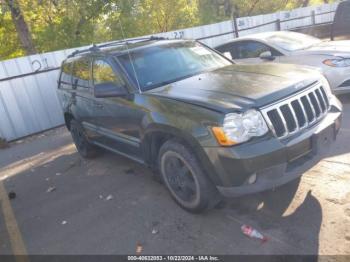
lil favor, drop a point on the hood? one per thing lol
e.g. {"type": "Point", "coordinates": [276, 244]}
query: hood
{"type": "Point", "coordinates": [334, 48]}
{"type": "Point", "coordinates": [239, 87]}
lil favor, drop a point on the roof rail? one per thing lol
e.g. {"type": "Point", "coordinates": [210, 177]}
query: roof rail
{"type": "Point", "coordinates": [93, 48]}
{"type": "Point", "coordinates": [131, 40]}
{"type": "Point", "coordinates": [96, 48]}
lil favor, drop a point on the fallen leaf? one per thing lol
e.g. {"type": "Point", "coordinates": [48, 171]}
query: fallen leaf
{"type": "Point", "coordinates": [139, 248]}
{"type": "Point", "coordinates": [50, 189]}
{"type": "Point", "coordinates": [110, 197]}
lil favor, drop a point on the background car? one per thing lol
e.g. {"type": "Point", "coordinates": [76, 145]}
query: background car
{"type": "Point", "coordinates": [340, 27]}
{"type": "Point", "coordinates": [333, 57]}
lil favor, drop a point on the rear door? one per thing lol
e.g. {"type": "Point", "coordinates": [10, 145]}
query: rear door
{"type": "Point", "coordinates": [64, 91]}
{"type": "Point", "coordinates": [82, 93]}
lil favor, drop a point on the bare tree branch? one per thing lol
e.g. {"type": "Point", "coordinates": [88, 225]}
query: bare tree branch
{"type": "Point", "coordinates": [251, 9]}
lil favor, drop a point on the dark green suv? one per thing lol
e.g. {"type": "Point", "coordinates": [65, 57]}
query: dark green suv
{"type": "Point", "coordinates": [206, 126]}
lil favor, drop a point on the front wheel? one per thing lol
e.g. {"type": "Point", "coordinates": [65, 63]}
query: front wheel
{"type": "Point", "coordinates": [185, 179]}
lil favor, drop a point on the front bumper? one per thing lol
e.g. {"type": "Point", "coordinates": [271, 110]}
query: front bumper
{"type": "Point", "coordinates": [273, 161]}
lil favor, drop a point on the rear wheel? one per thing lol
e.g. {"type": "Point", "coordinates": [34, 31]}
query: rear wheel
{"type": "Point", "coordinates": [84, 147]}
{"type": "Point", "coordinates": [185, 179]}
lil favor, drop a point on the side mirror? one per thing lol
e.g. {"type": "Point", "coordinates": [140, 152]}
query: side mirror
{"type": "Point", "coordinates": [109, 89]}
{"type": "Point", "coordinates": [267, 56]}
{"type": "Point", "coordinates": [228, 55]}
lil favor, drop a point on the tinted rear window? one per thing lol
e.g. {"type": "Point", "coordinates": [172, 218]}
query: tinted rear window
{"type": "Point", "coordinates": [82, 72]}
{"type": "Point", "coordinates": [66, 75]}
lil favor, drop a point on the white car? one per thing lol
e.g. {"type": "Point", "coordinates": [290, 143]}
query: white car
{"type": "Point", "coordinates": [332, 57]}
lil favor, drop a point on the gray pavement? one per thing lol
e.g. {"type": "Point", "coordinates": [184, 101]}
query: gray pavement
{"type": "Point", "coordinates": [308, 216]}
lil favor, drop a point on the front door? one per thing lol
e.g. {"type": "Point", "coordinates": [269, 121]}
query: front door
{"type": "Point", "coordinates": [248, 52]}
{"type": "Point", "coordinates": [117, 119]}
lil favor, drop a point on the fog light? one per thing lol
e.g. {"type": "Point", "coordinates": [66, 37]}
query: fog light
{"type": "Point", "coordinates": [252, 179]}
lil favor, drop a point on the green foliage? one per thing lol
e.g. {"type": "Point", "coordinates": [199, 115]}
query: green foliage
{"type": "Point", "coordinates": [9, 45]}
{"type": "Point", "coordinates": [143, 17]}
{"type": "Point", "coordinates": [60, 24]}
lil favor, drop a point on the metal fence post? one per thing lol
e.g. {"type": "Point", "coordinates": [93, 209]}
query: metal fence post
{"type": "Point", "coordinates": [278, 24]}
{"type": "Point", "coordinates": [313, 17]}
{"type": "Point", "coordinates": [235, 26]}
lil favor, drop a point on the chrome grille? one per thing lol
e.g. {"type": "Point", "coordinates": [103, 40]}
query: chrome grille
{"type": "Point", "coordinates": [297, 112]}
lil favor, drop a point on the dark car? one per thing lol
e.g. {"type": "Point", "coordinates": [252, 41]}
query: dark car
{"type": "Point", "coordinates": [206, 126]}
{"type": "Point", "coordinates": [340, 26]}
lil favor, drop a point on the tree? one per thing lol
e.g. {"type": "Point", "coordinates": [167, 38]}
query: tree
{"type": "Point", "coordinates": [59, 24]}
{"type": "Point", "coordinates": [27, 26]}
{"type": "Point", "coordinates": [144, 17]}
{"type": "Point", "coordinates": [169, 15]}
{"type": "Point", "coordinates": [21, 26]}
{"type": "Point", "coordinates": [10, 45]}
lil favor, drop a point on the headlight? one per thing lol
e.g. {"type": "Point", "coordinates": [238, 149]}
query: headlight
{"type": "Point", "coordinates": [340, 62]}
{"type": "Point", "coordinates": [238, 128]}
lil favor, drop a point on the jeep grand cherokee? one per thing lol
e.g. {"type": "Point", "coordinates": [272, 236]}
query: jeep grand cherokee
{"type": "Point", "coordinates": [206, 126]}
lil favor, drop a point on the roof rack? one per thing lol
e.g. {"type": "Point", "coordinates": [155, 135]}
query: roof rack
{"type": "Point", "coordinates": [96, 48]}
{"type": "Point", "coordinates": [132, 40]}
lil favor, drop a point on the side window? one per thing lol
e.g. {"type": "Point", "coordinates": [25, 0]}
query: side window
{"type": "Point", "coordinates": [66, 75]}
{"type": "Point", "coordinates": [103, 73]}
{"type": "Point", "coordinates": [231, 48]}
{"type": "Point", "coordinates": [251, 49]}
{"type": "Point", "coordinates": [81, 73]}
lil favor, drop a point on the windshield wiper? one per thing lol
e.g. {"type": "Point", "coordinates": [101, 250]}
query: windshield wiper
{"type": "Point", "coordinates": [171, 81]}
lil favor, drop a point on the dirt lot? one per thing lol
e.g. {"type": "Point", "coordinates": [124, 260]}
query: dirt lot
{"type": "Point", "coordinates": [66, 205]}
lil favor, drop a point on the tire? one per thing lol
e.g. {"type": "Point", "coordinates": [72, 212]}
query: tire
{"type": "Point", "coordinates": [84, 147]}
{"type": "Point", "coordinates": [182, 174]}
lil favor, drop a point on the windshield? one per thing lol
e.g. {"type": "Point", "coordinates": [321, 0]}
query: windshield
{"type": "Point", "coordinates": [293, 41]}
{"type": "Point", "coordinates": [160, 65]}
